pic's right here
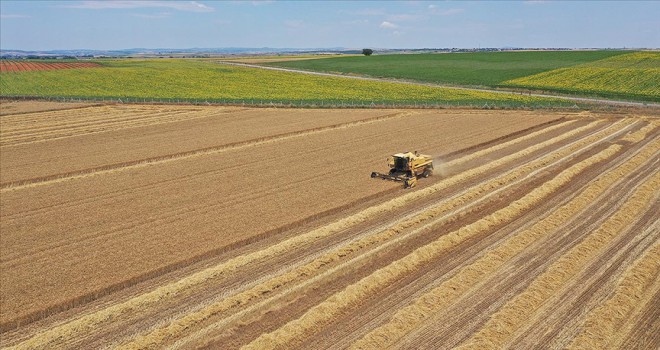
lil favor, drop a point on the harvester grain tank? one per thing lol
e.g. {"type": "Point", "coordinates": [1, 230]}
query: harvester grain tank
{"type": "Point", "coordinates": [407, 167]}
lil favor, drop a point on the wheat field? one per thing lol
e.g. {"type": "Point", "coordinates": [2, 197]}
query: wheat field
{"type": "Point", "coordinates": [163, 226]}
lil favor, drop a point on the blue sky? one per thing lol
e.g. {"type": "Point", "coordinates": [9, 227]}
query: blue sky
{"type": "Point", "coordinates": [47, 25]}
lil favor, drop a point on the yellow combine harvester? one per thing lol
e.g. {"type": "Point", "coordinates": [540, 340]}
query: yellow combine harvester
{"type": "Point", "coordinates": [407, 167]}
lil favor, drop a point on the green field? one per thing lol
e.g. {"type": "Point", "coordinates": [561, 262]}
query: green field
{"type": "Point", "coordinates": [476, 69]}
{"type": "Point", "coordinates": [491, 69]}
{"type": "Point", "coordinates": [199, 81]}
{"type": "Point", "coordinates": [636, 74]}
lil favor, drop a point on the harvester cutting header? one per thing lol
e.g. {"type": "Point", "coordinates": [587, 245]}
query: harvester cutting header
{"type": "Point", "coordinates": [407, 167]}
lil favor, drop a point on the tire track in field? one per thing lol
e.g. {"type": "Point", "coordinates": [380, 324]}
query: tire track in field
{"type": "Point", "coordinates": [504, 323]}
{"type": "Point", "coordinates": [317, 316]}
{"type": "Point", "coordinates": [47, 180]}
{"type": "Point", "coordinates": [280, 248]}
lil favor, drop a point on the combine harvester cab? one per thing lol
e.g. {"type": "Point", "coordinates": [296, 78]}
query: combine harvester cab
{"type": "Point", "coordinates": [407, 167]}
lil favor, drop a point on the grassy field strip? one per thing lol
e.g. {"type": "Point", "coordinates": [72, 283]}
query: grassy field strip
{"type": "Point", "coordinates": [640, 134]}
{"type": "Point", "coordinates": [424, 307]}
{"type": "Point", "coordinates": [504, 323]}
{"type": "Point", "coordinates": [479, 192]}
{"type": "Point", "coordinates": [638, 284]}
{"type": "Point", "coordinates": [17, 185]}
{"type": "Point", "coordinates": [315, 317]}
{"type": "Point", "coordinates": [90, 321]}
{"type": "Point", "coordinates": [209, 82]}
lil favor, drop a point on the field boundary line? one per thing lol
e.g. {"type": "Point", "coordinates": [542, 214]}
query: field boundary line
{"type": "Point", "coordinates": [504, 323]}
{"type": "Point", "coordinates": [46, 180]}
{"type": "Point", "coordinates": [172, 289]}
{"type": "Point", "coordinates": [370, 238]}
{"type": "Point", "coordinates": [428, 304]}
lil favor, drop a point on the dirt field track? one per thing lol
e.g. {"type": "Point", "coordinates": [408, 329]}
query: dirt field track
{"type": "Point", "coordinates": [137, 227]}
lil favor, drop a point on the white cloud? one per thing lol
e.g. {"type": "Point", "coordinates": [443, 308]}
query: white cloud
{"type": "Point", "coordinates": [13, 16]}
{"type": "Point", "coordinates": [189, 6]}
{"type": "Point", "coordinates": [431, 7]}
{"type": "Point", "coordinates": [295, 23]}
{"type": "Point", "coordinates": [449, 12]}
{"type": "Point", "coordinates": [404, 17]}
{"type": "Point", "coordinates": [535, 2]}
{"type": "Point", "coordinates": [159, 15]}
{"type": "Point", "coordinates": [369, 12]}
{"type": "Point", "coordinates": [388, 25]}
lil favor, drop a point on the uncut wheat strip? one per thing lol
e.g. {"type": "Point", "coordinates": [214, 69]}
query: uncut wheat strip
{"type": "Point", "coordinates": [424, 307]}
{"type": "Point", "coordinates": [316, 317]}
{"type": "Point", "coordinates": [479, 192]}
{"type": "Point", "coordinates": [503, 324]}
{"type": "Point", "coordinates": [200, 153]}
{"type": "Point", "coordinates": [90, 321]}
{"type": "Point", "coordinates": [602, 327]}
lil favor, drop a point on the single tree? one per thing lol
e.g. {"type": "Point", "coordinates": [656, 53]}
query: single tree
{"type": "Point", "coordinates": [367, 52]}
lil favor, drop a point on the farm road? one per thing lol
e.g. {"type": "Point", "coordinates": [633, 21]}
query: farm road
{"type": "Point", "coordinates": [576, 99]}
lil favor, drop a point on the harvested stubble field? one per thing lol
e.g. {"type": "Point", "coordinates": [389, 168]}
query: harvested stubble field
{"type": "Point", "coordinates": [189, 226]}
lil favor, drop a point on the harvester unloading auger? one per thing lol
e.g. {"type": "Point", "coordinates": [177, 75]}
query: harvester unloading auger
{"type": "Point", "coordinates": [407, 167]}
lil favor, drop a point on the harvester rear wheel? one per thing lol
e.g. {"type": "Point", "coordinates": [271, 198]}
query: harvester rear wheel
{"type": "Point", "coordinates": [427, 172]}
